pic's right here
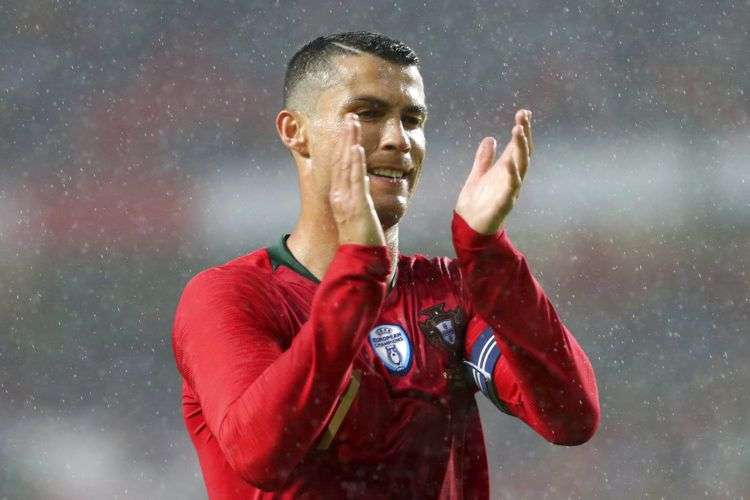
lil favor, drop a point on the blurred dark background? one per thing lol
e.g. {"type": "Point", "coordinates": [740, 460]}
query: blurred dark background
{"type": "Point", "coordinates": [137, 147]}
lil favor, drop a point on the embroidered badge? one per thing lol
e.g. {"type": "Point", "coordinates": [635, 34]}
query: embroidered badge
{"type": "Point", "coordinates": [392, 346]}
{"type": "Point", "coordinates": [443, 327]}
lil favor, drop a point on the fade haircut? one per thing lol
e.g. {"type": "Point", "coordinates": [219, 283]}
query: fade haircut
{"type": "Point", "coordinates": [310, 69]}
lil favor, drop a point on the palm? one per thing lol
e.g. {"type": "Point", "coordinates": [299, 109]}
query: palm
{"type": "Point", "coordinates": [493, 185]}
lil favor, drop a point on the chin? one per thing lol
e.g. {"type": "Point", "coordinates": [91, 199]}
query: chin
{"type": "Point", "coordinates": [390, 214]}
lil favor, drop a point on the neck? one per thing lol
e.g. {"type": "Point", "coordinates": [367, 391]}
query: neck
{"type": "Point", "coordinates": [314, 242]}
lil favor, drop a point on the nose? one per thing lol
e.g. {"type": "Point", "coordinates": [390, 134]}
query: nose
{"type": "Point", "coordinates": [395, 137]}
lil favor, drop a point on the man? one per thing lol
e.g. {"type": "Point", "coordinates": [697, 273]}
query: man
{"type": "Point", "coordinates": [330, 366]}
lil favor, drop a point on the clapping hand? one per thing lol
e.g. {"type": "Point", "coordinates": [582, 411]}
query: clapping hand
{"type": "Point", "coordinates": [492, 188]}
{"type": "Point", "coordinates": [351, 203]}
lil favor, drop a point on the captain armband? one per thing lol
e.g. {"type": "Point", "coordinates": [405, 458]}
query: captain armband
{"type": "Point", "coordinates": [485, 355]}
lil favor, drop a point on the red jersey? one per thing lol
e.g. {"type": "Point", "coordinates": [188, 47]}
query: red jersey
{"type": "Point", "coordinates": [351, 388]}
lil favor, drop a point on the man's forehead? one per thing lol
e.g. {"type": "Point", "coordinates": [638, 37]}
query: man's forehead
{"type": "Point", "coordinates": [370, 75]}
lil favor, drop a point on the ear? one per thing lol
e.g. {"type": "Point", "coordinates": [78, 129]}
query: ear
{"type": "Point", "coordinates": [292, 129]}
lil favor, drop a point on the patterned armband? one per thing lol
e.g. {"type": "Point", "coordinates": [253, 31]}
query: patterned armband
{"type": "Point", "coordinates": [485, 353]}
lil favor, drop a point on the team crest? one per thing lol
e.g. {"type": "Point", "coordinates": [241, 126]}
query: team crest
{"type": "Point", "coordinates": [442, 327]}
{"type": "Point", "coordinates": [392, 346]}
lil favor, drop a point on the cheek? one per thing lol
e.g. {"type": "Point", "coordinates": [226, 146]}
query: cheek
{"type": "Point", "coordinates": [324, 143]}
{"type": "Point", "coordinates": [320, 148]}
{"type": "Point", "coordinates": [370, 138]}
{"type": "Point", "coordinates": [322, 136]}
{"type": "Point", "coordinates": [323, 148]}
{"type": "Point", "coordinates": [418, 146]}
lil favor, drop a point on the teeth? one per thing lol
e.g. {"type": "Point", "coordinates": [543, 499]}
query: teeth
{"type": "Point", "coordinates": [387, 172]}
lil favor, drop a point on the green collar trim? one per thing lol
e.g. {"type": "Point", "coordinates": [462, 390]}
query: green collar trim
{"type": "Point", "coordinates": [281, 256]}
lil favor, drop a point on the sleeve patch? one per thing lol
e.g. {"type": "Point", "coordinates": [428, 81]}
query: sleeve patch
{"type": "Point", "coordinates": [485, 353]}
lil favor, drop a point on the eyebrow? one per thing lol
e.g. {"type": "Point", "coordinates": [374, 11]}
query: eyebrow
{"type": "Point", "coordinates": [380, 103]}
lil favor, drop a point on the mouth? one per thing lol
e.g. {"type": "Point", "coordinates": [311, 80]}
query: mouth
{"type": "Point", "coordinates": [388, 174]}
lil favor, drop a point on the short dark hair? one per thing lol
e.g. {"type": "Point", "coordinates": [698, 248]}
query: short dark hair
{"type": "Point", "coordinates": [316, 54]}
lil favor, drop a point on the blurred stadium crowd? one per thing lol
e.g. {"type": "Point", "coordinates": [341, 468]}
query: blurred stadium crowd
{"type": "Point", "coordinates": [137, 147]}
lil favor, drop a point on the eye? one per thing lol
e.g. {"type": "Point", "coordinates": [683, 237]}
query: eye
{"type": "Point", "coordinates": [412, 121]}
{"type": "Point", "coordinates": [369, 114]}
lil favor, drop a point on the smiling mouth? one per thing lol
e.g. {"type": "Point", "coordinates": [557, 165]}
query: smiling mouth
{"type": "Point", "coordinates": [388, 173]}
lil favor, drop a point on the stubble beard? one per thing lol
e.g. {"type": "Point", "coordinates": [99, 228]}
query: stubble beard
{"type": "Point", "coordinates": [390, 212]}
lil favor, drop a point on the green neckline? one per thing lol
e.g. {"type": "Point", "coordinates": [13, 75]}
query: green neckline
{"type": "Point", "coordinates": [281, 256]}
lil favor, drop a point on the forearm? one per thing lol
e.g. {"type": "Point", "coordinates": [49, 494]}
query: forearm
{"type": "Point", "coordinates": [284, 398]}
{"type": "Point", "coordinates": [556, 394]}
{"type": "Point", "coordinates": [555, 389]}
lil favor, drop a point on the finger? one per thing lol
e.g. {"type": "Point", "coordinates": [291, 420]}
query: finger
{"type": "Point", "coordinates": [355, 149]}
{"type": "Point", "coordinates": [357, 175]}
{"type": "Point", "coordinates": [484, 157]}
{"type": "Point", "coordinates": [341, 146]}
{"type": "Point", "coordinates": [340, 168]}
{"type": "Point", "coordinates": [520, 150]}
{"type": "Point", "coordinates": [523, 118]}
{"type": "Point", "coordinates": [529, 135]}
{"type": "Point", "coordinates": [357, 133]}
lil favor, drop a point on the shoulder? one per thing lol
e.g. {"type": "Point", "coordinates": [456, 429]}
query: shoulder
{"type": "Point", "coordinates": [224, 303]}
{"type": "Point", "coordinates": [243, 279]}
{"type": "Point", "coordinates": [233, 295]}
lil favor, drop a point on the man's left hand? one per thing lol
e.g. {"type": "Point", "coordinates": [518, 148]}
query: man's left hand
{"type": "Point", "coordinates": [492, 187]}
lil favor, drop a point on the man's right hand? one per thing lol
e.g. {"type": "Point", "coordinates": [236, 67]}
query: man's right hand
{"type": "Point", "coordinates": [351, 203]}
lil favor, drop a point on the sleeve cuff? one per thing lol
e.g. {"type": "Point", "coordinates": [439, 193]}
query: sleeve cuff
{"type": "Point", "coordinates": [373, 261]}
{"type": "Point", "coordinates": [465, 238]}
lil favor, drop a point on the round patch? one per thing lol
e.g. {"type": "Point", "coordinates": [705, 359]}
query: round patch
{"type": "Point", "coordinates": [392, 346]}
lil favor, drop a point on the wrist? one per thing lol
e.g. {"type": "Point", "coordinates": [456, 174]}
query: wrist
{"type": "Point", "coordinates": [486, 225]}
{"type": "Point", "coordinates": [463, 232]}
{"type": "Point", "coordinates": [361, 238]}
